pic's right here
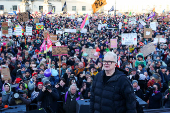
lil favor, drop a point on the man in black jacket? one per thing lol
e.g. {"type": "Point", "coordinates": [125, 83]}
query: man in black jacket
{"type": "Point", "coordinates": [48, 97]}
{"type": "Point", "coordinates": [111, 90]}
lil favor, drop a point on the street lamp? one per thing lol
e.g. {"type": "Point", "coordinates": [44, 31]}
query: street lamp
{"type": "Point", "coordinates": [115, 9]}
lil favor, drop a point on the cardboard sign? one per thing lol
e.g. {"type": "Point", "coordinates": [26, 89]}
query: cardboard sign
{"type": "Point", "coordinates": [39, 26]}
{"type": "Point", "coordinates": [36, 20]}
{"type": "Point", "coordinates": [166, 19]}
{"type": "Point", "coordinates": [147, 49]}
{"type": "Point", "coordinates": [129, 39]}
{"type": "Point", "coordinates": [90, 52]}
{"type": "Point", "coordinates": [147, 33]}
{"type": "Point", "coordinates": [153, 26]}
{"type": "Point", "coordinates": [23, 17]}
{"type": "Point", "coordinates": [5, 74]}
{"type": "Point", "coordinates": [28, 30]}
{"type": "Point", "coordinates": [113, 43]}
{"type": "Point", "coordinates": [45, 34]}
{"type": "Point", "coordinates": [4, 28]}
{"type": "Point", "coordinates": [59, 50]}
{"type": "Point", "coordinates": [91, 31]}
{"type": "Point", "coordinates": [53, 38]}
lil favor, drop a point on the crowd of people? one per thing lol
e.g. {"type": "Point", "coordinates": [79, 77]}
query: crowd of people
{"type": "Point", "coordinates": [74, 73]}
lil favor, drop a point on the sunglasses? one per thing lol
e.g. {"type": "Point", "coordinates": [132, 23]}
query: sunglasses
{"type": "Point", "coordinates": [108, 62]}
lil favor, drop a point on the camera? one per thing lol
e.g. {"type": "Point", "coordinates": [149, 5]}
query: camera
{"type": "Point", "coordinates": [48, 87]}
{"type": "Point", "coordinates": [18, 94]}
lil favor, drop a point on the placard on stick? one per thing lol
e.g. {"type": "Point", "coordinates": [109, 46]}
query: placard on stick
{"type": "Point", "coordinates": [4, 27]}
{"type": "Point", "coordinates": [53, 38]}
{"type": "Point", "coordinates": [5, 74]}
{"type": "Point", "coordinates": [166, 19]}
{"type": "Point", "coordinates": [45, 34]}
{"type": "Point", "coordinates": [36, 20]}
{"type": "Point", "coordinates": [147, 33]}
{"type": "Point", "coordinates": [23, 17]}
{"type": "Point", "coordinates": [90, 52]}
{"type": "Point", "coordinates": [59, 50]}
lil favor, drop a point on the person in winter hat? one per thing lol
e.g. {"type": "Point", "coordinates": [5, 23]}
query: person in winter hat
{"type": "Point", "coordinates": [140, 60]}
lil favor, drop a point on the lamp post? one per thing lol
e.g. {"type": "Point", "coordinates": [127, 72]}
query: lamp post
{"type": "Point", "coordinates": [115, 9]}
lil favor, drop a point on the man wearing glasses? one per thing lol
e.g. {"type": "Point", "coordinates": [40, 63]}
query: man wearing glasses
{"type": "Point", "coordinates": [111, 90]}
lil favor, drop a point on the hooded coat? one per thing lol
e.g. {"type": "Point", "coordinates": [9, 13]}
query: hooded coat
{"type": "Point", "coordinates": [116, 96]}
{"type": "Point", "coordinates": [140, 62]}
{"type": "Point", "coordinates": [6, 96]}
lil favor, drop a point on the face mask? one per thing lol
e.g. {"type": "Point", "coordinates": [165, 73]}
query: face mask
{"type": "Point", "coordinates": [26, 66]}
{"type": "Point", "coordinates": [22, 72]}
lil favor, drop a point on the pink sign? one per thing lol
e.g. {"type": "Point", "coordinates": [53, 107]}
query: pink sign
{"type": "Point", "coordinates": [113, 43]}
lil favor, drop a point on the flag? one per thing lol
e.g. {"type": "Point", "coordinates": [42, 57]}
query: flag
{"type": "Point", "coordinates": [119, 61]}
{"type": "Point", "coordinates": [49, 42]}
{"type": "Point", "coordinates": [152, 14]}
{"type": "Point", "coordinates": [130, 14]}
{"type": "Point", "coordinates": [112, 9]}
{"type": "Point", "coordinates": [64, 6]}
{"type": "Point", "coordinates": [43, 46]}
{"type": "Point", "coordinates": [98, 4]}
{"type": "Point", "coordinates": [85, 22]}
{"type": "Point", "coordinates": [53, 10]}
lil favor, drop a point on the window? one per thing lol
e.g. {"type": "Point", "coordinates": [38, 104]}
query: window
{"type": "Point", "coordinates": [1, 7]}
{"type": "Point", "coordinates": [83, 8]}
{"type": "Point", "coordinates": [14, 7]}
{"type": "Point", "coordinates": [73, 8]}
{"type": "Point", "coordinates": [41, 8]}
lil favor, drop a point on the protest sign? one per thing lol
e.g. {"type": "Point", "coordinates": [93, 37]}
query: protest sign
{"type": "Point", "coordinates": [53, 38]}
{"type": "Point", "coordinates": [142, 22]}
{"type": "Point", "coordinates": [90, 52]}
{"type": "Point", "coordinates": [125, 21]}
{"type": "Point", "coordinates": [98, 4]}
{"type": "Point", "coordinates": [9, 22]}
{"type": "Point", "coordinates": [159, 38]}
{"type": "Point", "coordinates": [28, 30]}
{"type": "Point", "coordinates": [18, 30]}
{"type": "Point", "coordinates": [70, 30]}
{"type": "Point", "coordinates": [45, 34]}
{"type": "Point", "coordinates": [166, 19]}
{"type": "Point", "coordinates": [91, 31]}
{"type": "Point", "coordinates": [59, 50]}
{"type": "Point", "coordinates": [5, 74]}
{"type": "Point", "coordinates": [23, 17]}
{"type": "Point", "coordinates": [120, 25]}
{"type": "Point", "coordinates": [99, 27]}
{"type": "Point", "coordinates": [153, 26]}
{"type": "Point", "coordinates": [4, 28]}
{"type": "Point", "coordinates": [9, 33]}
{"type": "Point", "coordinates": [79, 19]}
{"type": "Point", "coordinates": [147, 33]}
{"type": "Point", "coordinates": [132, 20]}
{"type": "Point", "coordinates": [39, 26]}
{"type": "Point", "coordinates": [113, 43]}
{"type": "Point", "coordinates": [57, 32]}
{"type": "Point", "coordinates": [83, 31]}
{"type": "Point", "coordinates": [147, 49]}
{"type": "Point", "coordinates": [129, 39]}
{"type": "Point", "coordinates": [36, 20]}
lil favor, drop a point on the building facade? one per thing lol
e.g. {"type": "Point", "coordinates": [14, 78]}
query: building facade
{"type": "Point", "coordinates": [85, 6]}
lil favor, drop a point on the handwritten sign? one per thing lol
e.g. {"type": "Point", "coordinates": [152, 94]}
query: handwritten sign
{"type": "Point", "coordinates": [28, 30]}
{"type": "Point", "coordinates": [18, 30]}
{"type": "Point", "coordinates": [5, 74]}
{"type": "Point", "coordinates": [23, 17]}
{"type": "Point", "coordinates": [53, 38]}
{"type": "Point", "coordinates": [90, 52]}
{"type": "Point", "coordinates": [45, 34]}
{"type": "Point", "coordinates": [147, 49]}
{"type": "Point", "coordinates": [59, 50]}
{"type": "Point", "coordinates": [153, 26]}
{"type": "Point", "coordinates": [4, 27]}
{"type": "Point", "coordinates": [36, 20]}
{"type": "Point", "coordinates": [70, 30]}
{"type": "Point", "coordinates": [166, 20]}
{"type": "Point", "coordinates": [98, 4]}
{"type": "Point", "coordinates": [39, 26]}
{"type": "Point", "coordinates": [129, 38]}
{"type": "Point", "coordinates": [147, 33]}
{"type": "Point", "coordinates": [113, 43]}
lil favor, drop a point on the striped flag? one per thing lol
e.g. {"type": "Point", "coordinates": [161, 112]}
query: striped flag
{"type": "Point", "coordinates": [112, 9]}
{"type": "Point", "coordinates": [119, 61]}
{"type": "Point", "coordinates": [85, 22]}
{"type": "Point", "coordinates": [43, 46]}
{"type": "Point", "coordinates": [64, 6]}
{"type": "Point", "coordinates": [49, 42]}
{"type": "Point", "coordinates": [152, 14]}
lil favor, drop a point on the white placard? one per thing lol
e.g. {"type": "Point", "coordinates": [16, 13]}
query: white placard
{"type": "Point", "coordinates": [28, 30]}
{"type": "Point", "coordinates": [153, 26]}
{"type": "Point", "coordinates": [142, 22]}
{"type": "Point", "coordinates": [70, 30]}
{"type": "Point", "coordinates": [129, 39]}
{"type": "Point", "coordinates": [99, 27]}
{"type": "Point", "coordinates": [79, 19]}
{"type": "Point", "coordinates": [9, 32]}
{"type": "Point", "coordinates": [120, 25]}
{"type": "Point", "coordinates": [57, 32]}
{"type": "Point", "coordinates": [132, 20]}
{"type": "Point", "coordinates": [9, 22]}
{"type": "Point", "coordinates": [18, 31]}
{"type": "Point", "coordinates": [83, 31]}
{"type": "Point", "coordinates": [161, 40]}
{"type": "Point", "coordinates": [0, 34]}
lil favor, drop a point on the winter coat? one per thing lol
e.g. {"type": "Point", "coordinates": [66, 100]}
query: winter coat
{"type": "Point", "coordinates": [116, 96]}
{"type": "Point", "coordinates": [6, 98]}
{"type": "Point", "coordinates": [49, 100]}
{"type": "Point", "coordinates": [140, 62]}
{"type": "Point", "coordinates": [155, 101]}
{"type": "Point", "coordinates": [31, 85]}
{"type": "Point", "coordinates": [166, 100]}
{"type": "Point", "coordinates": [70, 105]}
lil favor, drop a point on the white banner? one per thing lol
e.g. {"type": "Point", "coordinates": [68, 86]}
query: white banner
{"type": "Point", "coordinates": [153, 26]}
{"type": "Point", "coordinates": [83, 31]}
{"type": "Point", "coordinates": [57, 32]}
{"type": "Point", "coordinates": [161, 40]}
{"type": "Point", "coordinates": [18, 31]}
{"type": "Point", "coordinates": [129, 39]}
{"type": "Point", "coordinates": [28, 30]}
{"type": "Point", "coordinates": [70, 30]}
